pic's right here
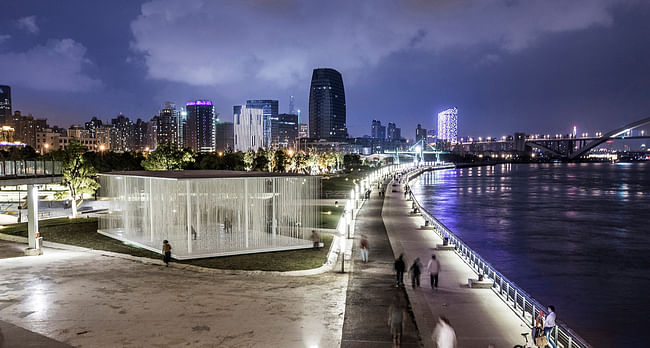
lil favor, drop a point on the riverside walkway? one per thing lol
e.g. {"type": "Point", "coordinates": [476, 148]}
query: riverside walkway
{"type": "Point", "coordinates": [478, 316]}
{"type": "Point", "coordinates": [371, 286]}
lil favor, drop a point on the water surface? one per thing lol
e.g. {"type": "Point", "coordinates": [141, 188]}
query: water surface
{"type": "Point", "coordinates": [573, 235]}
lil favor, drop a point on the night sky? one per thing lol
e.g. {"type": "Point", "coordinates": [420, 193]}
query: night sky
{"type": "Point", "coordinates": [535, 66]}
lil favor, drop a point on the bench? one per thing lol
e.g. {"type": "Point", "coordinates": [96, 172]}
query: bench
{"type": "Point", "coordinates": [445, 247]}
{"type": "Point", "coordinates": [425, 227]}
{"type": "Point", "coordinates": [480, 284]}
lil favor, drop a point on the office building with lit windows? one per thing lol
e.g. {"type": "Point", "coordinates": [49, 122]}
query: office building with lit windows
{"type": "Point", "coordinates": [5, 104]}
{"type": "Point", "coordinates": [201, 123]}
{"type": "Point", "coordinates": [248, 128]}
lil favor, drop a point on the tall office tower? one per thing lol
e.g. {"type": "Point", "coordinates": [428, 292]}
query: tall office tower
{"type": "Point", "coordinates": [377, 131]}
{"type": "Point", "coordinates": [167, 124]}
{"type": "Point", "coordinates": [121, 134]}
{"type": "Point", "coordinates": [448, 125]}
{"type": "Point", "coordinates": [248, 128]}
{"type": "Point", "coordinates": [291, 106]}
{"type": "Point", "coordinates": [393, 133]}
{"type": "Point", "coordinates": [285, 130]}
{"type": "Point", "coordinates": [201, 123]}
{"type": "Point", "coordinates": [327, 106]}
{"type": "Point", "coordinates": [225, 135]}
{"type": "Point", "coordinates": [5, 104]}
{"type": "Point", "coordinates": [420, 133]}
{"type": "Point", "coordinates": [181, 132]}
{"type": "Point", "coordinates": [270, 115]}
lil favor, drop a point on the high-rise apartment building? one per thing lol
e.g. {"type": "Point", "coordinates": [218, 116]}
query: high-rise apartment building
{"type": "Point", "coordinates": [248, 128]}
{"type": "Point", "coordinates": [327, 118]}
{"type": "Point", "coordinates": [420, 133]}
{"type": "Point", "coordinates": [201, 123]}
{"type": "Point", "coordinates": [121, 134]}
{"type": "Point", "coordinates": [284, 131]}
{"type": "Point", "coordinates": [167, 125]}
{"type": "Point", "coordinates": [377, 131]}
{"type": "Point", "coordinates": [393, 132]}
{"type": "Point", "coordinates": [5, 104]}
{"type": "Point", "coordinates": [269, 116]}
{"type": "Point", "coordinates": [448, 125]}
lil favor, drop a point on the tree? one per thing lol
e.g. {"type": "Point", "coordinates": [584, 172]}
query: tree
{"type": "Point", "coordinates": [351, 161]}
{"type": "Point", "coordinates": [249, 158]}
{"type": "Point", "coordinates": [167, 157]}
{"type": "Point", "coordinates": [78, 174]}
{"type": "Point", "coordinates": [281, 160]}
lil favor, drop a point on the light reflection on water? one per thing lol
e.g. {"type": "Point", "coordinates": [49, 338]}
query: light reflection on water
{"type": "Point", "coordinates": [575, 235]}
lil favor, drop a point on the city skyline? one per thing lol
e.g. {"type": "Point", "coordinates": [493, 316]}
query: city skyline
{"type": "Point", "coordinates": [119, 63]}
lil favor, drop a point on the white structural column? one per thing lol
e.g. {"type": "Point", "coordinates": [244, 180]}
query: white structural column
{"type": "Point", "coordinates": [275, 212]}
{"type": "Point", "coordinates": [32, 214]}
{"type": "Point", "coordinates": [246, 211]}
{"type": "Point", "coordinates": [189, 218]}
{"type": "Point", "coordinates": [151, 209]}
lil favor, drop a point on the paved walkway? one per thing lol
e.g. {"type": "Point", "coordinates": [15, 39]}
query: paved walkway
{"type": "Point", "coordinates": [478, 315]}
{"type": "Point", "coordinates": [88, 300]}
{"type": "Point", "coordinates": [371, 287]}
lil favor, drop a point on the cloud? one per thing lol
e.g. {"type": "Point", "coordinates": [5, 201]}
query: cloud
{"type": "Point", "coordinates": [56, 66]}
{"type": "Point", "coordinates": [28, 24]}
{"type": "Point", "coordinates": [4, 37]}
{"type": "Point", "coordinates": [208, 43]}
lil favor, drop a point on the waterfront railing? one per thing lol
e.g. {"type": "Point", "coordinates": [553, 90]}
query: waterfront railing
{"type": "Point", "coordinates": [29, 168]}
{"type": "Point", "coordinates": [524, 305]}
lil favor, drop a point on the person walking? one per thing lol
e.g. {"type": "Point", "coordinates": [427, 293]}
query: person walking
{"type": "Point", "coordinates": [315, 238]}
{"type": "Point", "coordinates": [415, 271]}
{"type": "Point", "coordinates": [400, 267]}
{"type": "Point", "coordinates": [167, 252]}
{"type": "Point", "coordinates": [549, 325]}
{"type": "Point", "coordinates": [444, 335]}
{"type": "Point", "coordinates": [396, 319]}
{"type": "Point", "coordinates": [433, 267]}
{"type": "Point", "coordinates": [363, 248]}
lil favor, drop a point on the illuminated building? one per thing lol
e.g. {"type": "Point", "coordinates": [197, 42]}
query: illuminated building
{"type": "Point", "coordinates": [448, 125]}
{"type": "Point", "coordinates": [201, 123]}
{"type": "Point", "coordinates": [327, 118]}
{"type": "Point", "coordinates": [248, 128]}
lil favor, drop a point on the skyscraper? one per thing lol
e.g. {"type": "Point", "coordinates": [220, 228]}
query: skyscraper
{"type": "Point", "coordinates": [225, 136]}
{"type": "Point", "coordinates": [448, 125]}
{"type": "Point", "coordinates": [201, 123]}
{"type": "Point", "coordinates": [394, 133]}
{"type": "Point", "coordinates": [167, 124]}
{"type": "Point", "coordinates": [420, 133]}
{"type": "Point", "coordinates": [269, 115]}
{"type": "Point", "coordinates": [5, 104]}
{"type": "Point", "coordinates": [248, 128]}
{"type": "Point", "coordinates": [291, 106]}
{"type": "Point", "coordinates": [377, 131]}
{"type": "Point", "coordinates": [327, 119]}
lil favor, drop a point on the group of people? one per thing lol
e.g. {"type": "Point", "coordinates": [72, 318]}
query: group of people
{"type": "Point", "coordinates": [433, 269]}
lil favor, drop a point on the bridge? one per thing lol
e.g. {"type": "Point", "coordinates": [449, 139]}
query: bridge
{"type": "Point", "coordinates": [417, 151]}
{"type": "Point", "coordinates": [32, 174]}
{"type": "Point", "coordinates": [565, 146]}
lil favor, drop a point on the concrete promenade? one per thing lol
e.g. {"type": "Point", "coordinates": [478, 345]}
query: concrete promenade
{"type": "Point", "coordinates": [85, 299]}
{"type": "Point", "coordinates": [371, 288]}
{"type": "Point", "coordinates": [478, 316]}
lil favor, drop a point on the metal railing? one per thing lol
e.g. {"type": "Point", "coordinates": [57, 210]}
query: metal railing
{"type": "Point", "coordinates": [29, 168]}
{"type": "Point", "coordinates": [524, 305]}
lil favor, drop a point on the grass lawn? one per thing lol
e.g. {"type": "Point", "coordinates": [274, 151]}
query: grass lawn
{"type": "Point", "coordinates": [342, 182]}
{"type": "Point", "coordinates": [330, 215]}
{"type": "Point", "coordinates": [83, 233]}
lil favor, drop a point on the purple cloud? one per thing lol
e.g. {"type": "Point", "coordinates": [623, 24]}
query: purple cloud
{"type": "Point", "coordinates": [57, 66]}
{"type": "Point", "coordinates": [204, 43]}
{"type": "Point", "coordinates": [28, 24]}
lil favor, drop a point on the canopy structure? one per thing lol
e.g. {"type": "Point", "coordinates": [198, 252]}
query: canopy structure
{"type": "Point", "coordinates": [210, 213]}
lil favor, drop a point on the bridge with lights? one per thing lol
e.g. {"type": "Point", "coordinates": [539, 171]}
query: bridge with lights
{"type": "Point", "coordinates": [569, 146]}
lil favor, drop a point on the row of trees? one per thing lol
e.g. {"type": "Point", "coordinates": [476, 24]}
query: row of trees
{"type": "Point", "coordinates": [79, 168]}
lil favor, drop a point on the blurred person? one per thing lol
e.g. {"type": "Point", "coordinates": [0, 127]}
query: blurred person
{"type": "Point", "coordinates": [433, 267]}
{"type": "Point", "coordinates": [167, 252]}
{"type": "Point", "coordinates": [444, 335]}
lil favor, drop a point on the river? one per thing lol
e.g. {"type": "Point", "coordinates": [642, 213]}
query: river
{"type": "Point", "coordinates": [573, 235]}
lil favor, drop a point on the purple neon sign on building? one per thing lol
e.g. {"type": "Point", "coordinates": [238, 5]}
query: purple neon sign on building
{"type": "Point", "coordinates": [199, 102]}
